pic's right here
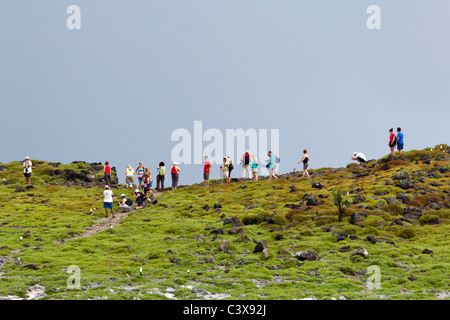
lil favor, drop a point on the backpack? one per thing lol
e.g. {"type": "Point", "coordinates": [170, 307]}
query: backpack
{"type": "Point", "coordinates": [162, 171]}
{"type": "Point", "coordinates": [151, 183]}
{"type": "Point", "coordinates": [174, 170]}
{"type": "Point", "coordinates": [246, 158]}
{"type": "Point", "coordinates": [230, 166]}
{"type": "Point", "coordinates": [129, 202]}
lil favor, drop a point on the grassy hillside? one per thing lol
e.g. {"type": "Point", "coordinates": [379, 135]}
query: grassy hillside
{"type": "Point", "coordinates": [189, 247]}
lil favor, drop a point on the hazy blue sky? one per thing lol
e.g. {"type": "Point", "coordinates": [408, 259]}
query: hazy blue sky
{"type": "Point", "coordinates": [137, 70]}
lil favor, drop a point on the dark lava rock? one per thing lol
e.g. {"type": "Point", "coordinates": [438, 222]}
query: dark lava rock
{"type": "Point", "coordinates": [234, 221]}
{"type": "Point", "coordinates": [360, 252]}
{"type": "Point", "coordinates": [224, 246]}
{"type": "Point", "coordinates": [311, 200]}
{"type": "Point", "coordinates": [356, 218]}
{"type": "Point", "coordinates": [412, 212]}
{"type": "Point", "coordinates": [33, 266]}
{"type": "Point", "coordinates": [344, 249]}
{"type": "Point", "coordinates": [426, 158]}
{"type": "Point", "coordinates": [400, 176]}
{"type": "Point", "coordinates": [359, 198]}
{"type": "Point", "coordinates": [371, 239]}
{"type": "Point", "coordinates": [308, 255]}
{"type": "Point", "coordinates": [405, 184]}
{"type": "Point", "coordinates": [261, 246]}
{"type": "Point", "coordinates": [217, 206]}
{"type": "Point", "coordinates": [318, 185]}
{"type": "Point", "coordinates": [404, 198]}
{"type": "Point", "coordinates": [353, 237]}
{"type": "Point", "coordinates": [235, 230]}
{"type": "Point", "coordinates": [293, 189]}
{"type": "Point", "coordinates": [175, 260]}
{"type": "Point", "coordinates": [427, 251]}
{"type": "Point", "coordinates": [339, 236]}
{"type": "Point", "coordinates": [19, 189]}
{"type": "Point", "coordinates": [206, 207]}
{"type": "Point", "coordinates": [279, 236]}
{"type": "Point", "coordinates": [218, 231]}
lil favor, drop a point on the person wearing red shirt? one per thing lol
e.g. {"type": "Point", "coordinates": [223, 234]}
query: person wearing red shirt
{"type": "Point", "coordinates": [392, 141]}
{"type": "Point", "coordinates": [107, 174]}
{"type": "Point", "coordinates": [206, 170]}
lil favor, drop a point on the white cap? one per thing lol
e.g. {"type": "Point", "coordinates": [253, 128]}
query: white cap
{"type": "Point", "coordinates": [175, 163]}
{"type": "Point", "coordinates": [355, 153]}
{"type": "Point", "coordinates": [106, 187]}
{"type": "Point", "coordinates": [122, 195]}
{"type": "Point", "coordinates": [27, 157]}
{"type": "Point", "coordinates": [136, 191]}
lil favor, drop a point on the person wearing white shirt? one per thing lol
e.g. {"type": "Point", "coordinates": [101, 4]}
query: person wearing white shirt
{"type": "Point", "coordinates": [360, 157]}
{"type": "Point", "coordinates": [27, 170]}
{"type": "Point", "coordinates": [108, 201]}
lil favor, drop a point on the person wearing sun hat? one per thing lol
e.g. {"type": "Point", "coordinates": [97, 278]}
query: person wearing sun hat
{"type": "Point", "coordinates": [125, 204]}
{"type": "Point", "coordinates": [27, 170]}
{"type": "Point", "coordinates": [360, 157]}
{"type": "Point", "coordinates": [175, 175]}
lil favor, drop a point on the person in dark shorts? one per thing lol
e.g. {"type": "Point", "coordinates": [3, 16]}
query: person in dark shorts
{"type": "Point", "coordinates": [361, 158]}
{"type": "Point", "coordinates": [305, 161]}
{"type": "Point", "coordinates": [392, 141]}
{"type": "Point", "coordinates": [400, 142]}
{"type": "Point", "coordinates": [206, 171]}
{"type": "Point", "coordinates": [27, 170]}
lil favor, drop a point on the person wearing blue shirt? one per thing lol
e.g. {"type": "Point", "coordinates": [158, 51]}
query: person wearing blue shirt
{"type": "Point", "coordinates": [400, 140]}
{"type": "Point", "coordinates": [271, 165]}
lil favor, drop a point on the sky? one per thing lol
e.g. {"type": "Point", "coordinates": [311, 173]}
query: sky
{"type": "Point", "coordinates": [136, 71]}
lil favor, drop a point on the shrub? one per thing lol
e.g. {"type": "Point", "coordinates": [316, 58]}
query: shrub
{"type": "Point", "coordinates": [406, 233]}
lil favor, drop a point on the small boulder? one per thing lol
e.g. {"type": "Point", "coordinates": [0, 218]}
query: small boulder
{"type": "Point", "coordinates": [311, 200]}
{"type": "Point", "coordinates": [318, 185]}
{"type": "Point", "coordinates": [412, 212]}
{"type": "Point", "coordinates": [261, 246]}
{"type": "Point", "coordinates": [308, 255]}
{"type": "Point", "coordinates": [400, 176]}
{"type": "Point", "coordinates": [427, 251]}
{"type": "Point", "coordinates": [234, 221]}
{"type": "Point", "coordinates": [360, 252]}
{"type": "Point", "coordinates": [224, 246]}
{"type": "Point", "coordinates": [33, 266]}
{"type": "Point", "coordinates": [339, 236]}
{"type": "Point", "coordinates": [344, 249]}
{"type": "Point", "coordinates": [371, 239]}
{"type": "Point", "coordinates": [425, 158]}
{"type": "Point", "coordinates": [405, 184]}
{"type": "Point", "coordinates": [356, 218]}
{"type": "Point", "coordinates": [235, 230]}
{"type": "Point", "coordinates": [404, 198]}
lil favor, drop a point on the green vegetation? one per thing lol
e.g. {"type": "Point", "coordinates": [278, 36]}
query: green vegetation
{"type": "Point", "coordinates": [176, 242]}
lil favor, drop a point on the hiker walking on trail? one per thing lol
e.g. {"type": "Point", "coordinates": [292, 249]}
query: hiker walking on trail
{"type": "Point", "coordinates": [107, 174]}
{"type": "Point", "coordinates": [392, 141]}
{"type": "Point", "coordinates": [108, 200]}
{"type": "Point", "coordinates": [245, 162]}
{"type": "Point", "coordinates": [271, 165]}
{"type": "Point", "coordinates": [160, 176]}
{"type": "Point", "coordinates": [206, 171]}
{"type": "Point", "coordinates": [305, 161]}
{"type": "Point", "coordinates": [400, 140]}
{"type": "Point", "coordinates": [255, 165]}
{"type": "Point", "coordinates": [140, 173]}
{"type": "Point", "coordinates": [175, 171]}
{"type": "Point", "coordinates": [129, 176]}
{"type": "Point", "coordinates": [27, 170]}
{"type": "Point", "coordinates": [360, 157]}
{"type": "Point", "coordinates": [125, 203]}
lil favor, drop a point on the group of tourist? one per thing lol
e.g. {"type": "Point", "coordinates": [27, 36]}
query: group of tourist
{"type": "Point", "coordinates": [249, 163]}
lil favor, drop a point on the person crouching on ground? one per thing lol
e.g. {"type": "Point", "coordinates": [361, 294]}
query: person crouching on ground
{"type": "Point", "coordinates": [140, 199]}
{"type": "Point", "coordinates": [149, 196]}
{"type": "Point", "coordinates": [125, 204]}
{"type": "Point", "coordinates": [108, 200]}
{"type": "Point", "coordinates": [361, 158]}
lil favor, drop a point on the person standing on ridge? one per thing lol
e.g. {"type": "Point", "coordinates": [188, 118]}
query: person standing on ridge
{"type": "Point", "coordinates": [175, 171]}
{"type": "Point", "coordinates": [400, 140]}
{"type": "Point", "coordinates": [206, 171]}
{"type": "Point", "coordinates": [129, 176]}
{"type": "Point", "coordinates": [305, 161]}
{"type": "Point", "coordinates": [140, 173]}
{"type": "Point", "coordinates": [271, 165]}
{"type": "Point", "coordinates": [255, 165]}
{"type": "Point", "coordinates": [27, 170]}
{"type": "Point", "coordinates": [160, 176]}
{"type": "Point", "coordinates": [107, 174]}
{"type": "Point", "coordinates": [392, 141]}
{"type": "Point", "coordinates": [245, 162]}
{"type": "Point", "coordinates": [225, 169]}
